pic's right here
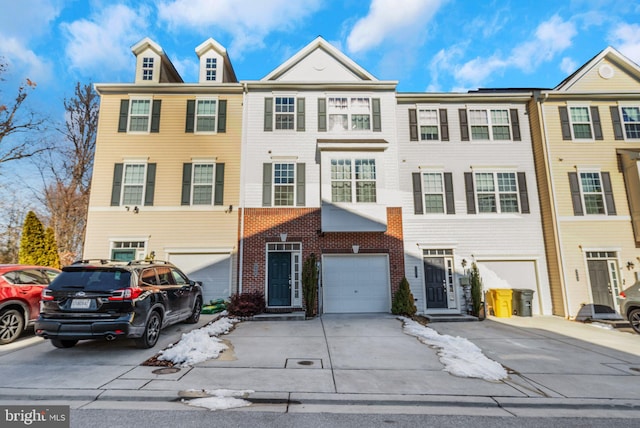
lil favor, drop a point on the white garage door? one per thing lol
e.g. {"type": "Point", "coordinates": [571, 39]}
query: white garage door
{"type": "Point", "coordinates": [212, 269]}
{"type": "Point", "coordinates": [358, 283]}
{"type": "Point", "coordinates": [511, 274]}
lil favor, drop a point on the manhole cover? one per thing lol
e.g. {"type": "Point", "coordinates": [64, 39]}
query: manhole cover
{"type": "Point", "coordinates": [305, 363]}
{"type": "Point", "coordinates": [166, 370]}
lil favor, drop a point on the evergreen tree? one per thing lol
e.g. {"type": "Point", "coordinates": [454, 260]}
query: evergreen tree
{"type": "Point", "coordinates": [476, 289]}
{"type": "Point", "coordinates": [310, 284]}
{"type": "Point", "coordinates": [32, 243]}
{"type": "Point", "coordinates": [52, 258]}
{"type": "Point", "coordinates": [403, 301]}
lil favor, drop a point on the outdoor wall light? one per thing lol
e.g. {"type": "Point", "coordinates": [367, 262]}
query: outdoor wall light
{"type": "Point", "coordinates": [630, 265]}
{"type": "Point", "coordinates": [355, 248]}
{"type": "Point", "coordinates": [136, 210]}
{"type": "Point", "coordinates": [283, 237]}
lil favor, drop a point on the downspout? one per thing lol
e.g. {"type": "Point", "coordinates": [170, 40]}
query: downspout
{"type": "Point", "coordinates": [242, 183]}
{"type": "Point", "coordinates": [554, 219]}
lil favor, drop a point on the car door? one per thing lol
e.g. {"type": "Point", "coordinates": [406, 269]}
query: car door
{"type": "Point", "coordinates": [29, 283]}
{"type": "Point", "coordinates": [188, 292]}
{"type": "Point", "coordinates": [175, 294]}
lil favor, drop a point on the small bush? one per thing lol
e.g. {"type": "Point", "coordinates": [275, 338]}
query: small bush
{"type": "Point", "coordinates": [403, 301]}
{"type": "Point", "coordinates": [246, 304]}
{"type": "Point", "coordinates": [310, 284]}
{"type": "Point", "coordinates": [476, 289]}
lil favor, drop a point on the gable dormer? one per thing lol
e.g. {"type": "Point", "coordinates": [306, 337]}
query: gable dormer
{"type": "Point", "coordinates": [215, 66]}
{"type": "Point", "coordinates": [152, 64]}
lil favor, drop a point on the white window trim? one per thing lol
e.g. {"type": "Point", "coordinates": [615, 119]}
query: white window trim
{"type": "Point", "coordinates": [144, 182]}
{"type": "Point", "coordinates": [350, 111]}
{"type": "Point", "coordinates": [294, 113]}
{"type": "Point", "coordinates": [140, 253]}
{"type": "Point", "coordinates": [207, 69]}
{"type": "Point", "coordinates": [274, 184]}
{"type": "Point", "coordinates": [193, 183]}
{"type": "Point", "coordinates": [129, 115]}
{"type": "Point", "coordinates": [195, 115]}
{"type": "Point", "coordinates": [354, 181]}
{"type": "Point", "coordinates": [437, 124]}
{"type": "Point", "coordinates": [571, 122]}
{"type": "Point", "coordinates": [622, 122]}
{"type": "Point", "coordinates": [424, 193]}
{"type": "Point", "coordinates": [151, 69]}
{"type": "Point", "coordinates": [496, 191]}
{"type": "Point", "coordinates": [489, 123]}
{"type": "Point", "coordinates": [582, 192]}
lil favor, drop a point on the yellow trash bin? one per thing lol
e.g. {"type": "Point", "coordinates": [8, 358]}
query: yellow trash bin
{"type": "Point", "coordinates": [502, 302]}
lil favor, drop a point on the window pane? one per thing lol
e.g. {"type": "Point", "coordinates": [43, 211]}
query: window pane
{"type": "Point", "coordinates": [360, 121]}
{"type": "Point", "coordinates": [594, 204]}
{"type": "Point", "coordinates": [484, 182]}
{"type": "Point", "coordinates": [202, 195]}
{"type": "Point", "coordinates": [591, 182]}
{"type": "Point", "coordinates": [433, 204]}
{"type": "Point", "coordinates": [139, 117]}
{"type": "Point", "coordinates": [508, 203]}
{"type": "Point", "coordinates": [432, 183]}
{"type": "Point", "coordinates": [501, 133]}
{"type": "Point", "coordinates": [478, 117]}
{"type": "Point", "coordinates": [581, 130]}
{"type": "Point", "coordinates": [429, 133]}
{"type": "Point", "coordinates": [500, 117]}
{"type": "Point", "coordinates": [283, 195]}
{"type": "Point", "coordinates": [579, 114]}
{"type": "Point", "coordinates": [631, 118]}
{"type": "Point", "coordinates": [338, 122]}
{"type": "Point", "coordinates": [341, 191]}
{"type": "Point", "coordinates": [203, 174]}
{"type": "Point", "coordinates": [365, 191]}
{"type": "Point", "coordinates": [480, 132]}
{"type": "Point", "coordinates": [134, 174]}
{"type": "Point", "coordinates": [285, 105]}
{"type": "Point", "coordinates": [132, 195]}
{"type": "Point", "coordinates": [140, 106]}
{"type": "Point", "coordinates": [365, 169]}
{"type": "Point", "coordinates": [507, 182]}
{"type": "Point", "coordinates": [284, 121]}
{"type": "Point", "coordinates": [341, 169]}
{"type": "Point", "coordinates": [487, 203]}
{"type": "Point", "coordinates": [139, 124]}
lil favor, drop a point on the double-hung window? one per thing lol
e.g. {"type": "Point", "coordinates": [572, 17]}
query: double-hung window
{"type": "Point", "coordinates": [202, 184]}
{"type": "Point", "coordinates": [284, 180]}
{"type": "Point", "coordinates": [285, 109]}
{"type": "Point", "coordinates": [592, 192]}
{"type": "Point", "coordinates": [496, 192]}
{"type": "Point", "coordinates": [631, 120]}
{"type": "Point", "coordinates": [140, 115]}
{"type": "Point", "coordinates": [428, 123]}
{"type": "Point", "coordinates": [349, 113]}
{"type": "Point", "coordinates": [353, 180]}
{"type": "Point", "coordinates": [433, 190]}
{"type": "Point", "coordinates": [211, 68]}
{"type": "Point", "coordinates": [489, 124]}
{"type": "Point", "coordinates": [147, 68]}
{"type": "Point", "coordinates": [206, 110]}
{"type": "Point", "coordinates": [580, 122]}
{"type": "Point", "coordinates": [133, 184]}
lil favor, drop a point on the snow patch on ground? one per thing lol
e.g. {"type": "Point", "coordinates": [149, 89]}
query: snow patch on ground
{"type": "Point", "coordinates": [602, 325]}
{"type": "Point", "coordinates": [221, 399]}
{"type": "Point", "coordinates": [459, 356]}
{"type": "Point", "coordinates": [198, 345]}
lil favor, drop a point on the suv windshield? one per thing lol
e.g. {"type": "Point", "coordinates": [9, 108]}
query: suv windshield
{"type": "Point", "coordinates": [92, 279]}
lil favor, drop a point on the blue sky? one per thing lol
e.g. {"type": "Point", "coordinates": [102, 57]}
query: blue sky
{"type": "Point", "coordinates": [426, 45]}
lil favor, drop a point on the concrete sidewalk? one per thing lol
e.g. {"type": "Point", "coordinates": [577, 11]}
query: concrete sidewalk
{"type": "Point", "coordinates": [365, 363]}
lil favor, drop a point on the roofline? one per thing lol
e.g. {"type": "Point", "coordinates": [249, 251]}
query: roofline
{"type": "Point", "coordinates": [377, 85]}
{"type": "Point", "coordinates": [167, 88]}
{"type": "Point", "coordinates": [407, 97]}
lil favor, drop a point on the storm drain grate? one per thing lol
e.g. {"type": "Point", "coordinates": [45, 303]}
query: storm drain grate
{"type": "Point", "coordinates": [166, 370]}
{"type": "Point", "coordinates": [303, 363]}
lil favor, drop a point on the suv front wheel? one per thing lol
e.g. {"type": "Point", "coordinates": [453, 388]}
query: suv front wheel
{"type": "Point", "coordinates": [195, 315]}
{"type": "Point", "coordinates": [151, 332]}
{"type": "Point", "coordinates": [634, 319]}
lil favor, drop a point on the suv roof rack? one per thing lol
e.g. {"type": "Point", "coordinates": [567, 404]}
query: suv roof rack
{"type": "Point", "coordinates": [101, 261]}
{"type": "Point", "coordinates": [149, 262]}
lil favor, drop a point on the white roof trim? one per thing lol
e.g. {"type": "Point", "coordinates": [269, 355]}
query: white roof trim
{"type": "Point", "coordinates": [144, 43]}
{"type": "Point", "coordinates": [210, 44]}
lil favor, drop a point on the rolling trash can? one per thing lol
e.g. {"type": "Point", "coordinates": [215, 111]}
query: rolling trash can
{"type": "Point", "coordinates": [522, 300]}
{"type": "Point", "coordinates": [502, 298]}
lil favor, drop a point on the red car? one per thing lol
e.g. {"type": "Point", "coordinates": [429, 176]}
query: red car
{"type": "Point", "coordinates": [20, 290]}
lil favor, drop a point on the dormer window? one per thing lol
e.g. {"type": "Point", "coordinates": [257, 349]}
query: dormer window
{"type": "Point", "coordinates": [211, 68]}
{"type": "Point", "coordinates": [147, 68]}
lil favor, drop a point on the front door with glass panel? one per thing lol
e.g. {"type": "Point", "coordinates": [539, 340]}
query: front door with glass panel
{"type": "Point", "coordinates": [435, 282]}
{"type": "Point", "coordinates": [279, 279]}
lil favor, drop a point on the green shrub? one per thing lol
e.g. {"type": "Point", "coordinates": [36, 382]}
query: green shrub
{"type": "Point", "coordinates": [246, 304]}
{"type": "Point", "coordinates": [403, 301]}
{"type": "Point", "coordinates": [310, 284]}
{"type": "Point", "coordinates": [32, 243]}
{"type": "Point", "coordinates": [476, 289]}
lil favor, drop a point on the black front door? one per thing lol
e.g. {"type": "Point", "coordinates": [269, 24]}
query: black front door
{"type": "Point", "coordinates": [435, 282]}
{"type": "Point", "coordinates": [279, 279]}
{"type": "Point", "coordinates": [600, 286]}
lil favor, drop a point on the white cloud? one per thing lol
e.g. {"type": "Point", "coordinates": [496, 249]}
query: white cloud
{"type": "Point", "coordinates": [626, 38]}
{"type": "Point", "coordinates": [23, 62]}
{"type": "Point", "coordinates": [388, 19]}
{"type": "Point", "coordinates": [98, 43]}
{"type": "Point", "coordinates": [568, 65]}
{"type": "Point", "coordinates": [247, 24]}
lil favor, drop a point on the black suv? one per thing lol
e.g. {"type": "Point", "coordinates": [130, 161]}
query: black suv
{"type": "Point", "coordinates": [110, 299]}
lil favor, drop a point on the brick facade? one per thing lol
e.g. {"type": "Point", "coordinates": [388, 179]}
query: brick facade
{"type": "Point", "coordinates": [303, 225]}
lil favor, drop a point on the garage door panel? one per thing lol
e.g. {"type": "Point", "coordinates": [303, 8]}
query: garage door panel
{"type": "Point", "coordinates": [510, 274]}
{"type": "Point", "coordinates": [213, 270]}
{"type": "Point", "coordinates": [355, 284]}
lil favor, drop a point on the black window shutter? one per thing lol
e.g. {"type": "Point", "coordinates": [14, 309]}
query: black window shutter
{"type": "Point", "coordinates": [417, 193]}
{"type": "Point", "coordinates": [124, 116]}
{"type": "Point", "coordinates": [524, 196]}
{"type": "Point", "coordinates": [377, 120]}
{"type": "Point", "coordinates": [617, 124]}
{"type": "Point", "coordinates": [413, 124]}
{"type": "Point", "coordinates": [608, 193]}
{"type": "Point", "coordinates": [471, 197]}
{"type": "Point", "coordinates": [222, 115]}
{"type": "Point", "coordinates": [564, 124]}
{"type": "Point", "coordinates": [155, 115]}
{"type": "Point", "coordinates": [300, 184]}
{"type": "Point", "coordinates": [268, 114]}
{"type": "Point", "coordinates": [116, 187]}
{"type": "Point", "coordinates": [448, 193]}
{"type": "Point", "coordinates": [300, 122]}
{"type": "Point", "coordinates": [266, 184]}
{"type": "Point", "coordinates": [444, 125]}
{"type": "Point", "coordinates": [597, 127]}
{"type": "Point", "coordinates": [191, 116]}
{"type": "Point", "coordinates": [151, 184]}
{"type": "Point", "coordinates": [186, 184]}
{"type": "Point", "coordinates": [576, 199]}
{"type": "Point", "coordinates": [464, 125]}
{"type": "Point", "coordinates": [322, 115]}
{"type": "Point", "coordinates": [218, 198]}
{"type": "Point", "coordinates": [515, 125]}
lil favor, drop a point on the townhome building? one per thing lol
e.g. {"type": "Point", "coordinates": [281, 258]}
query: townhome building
{"type": "Point", "coordinates": [468, 186]}
{"type": "Point", "coordinates": [586, 135]}
{"type": "Point", "coordinates": [320, 176]}
{"type": "Point", "coordinates": [167, 167]}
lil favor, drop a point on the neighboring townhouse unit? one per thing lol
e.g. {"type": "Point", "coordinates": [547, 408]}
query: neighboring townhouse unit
{"type": "Point", "coordinates": [320, 175]}
{"type": "Point", "coordinates": [469, 194]}
{"type": "Point", "coordinates": [167, 167]}
{"type": "Point", "coordinates": [587, 145]}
